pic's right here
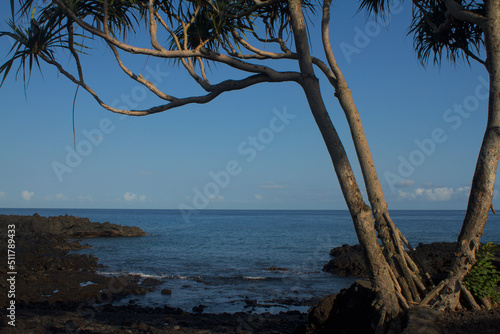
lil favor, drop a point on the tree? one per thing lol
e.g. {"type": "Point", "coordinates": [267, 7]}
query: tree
{"type": "Point", "coordinates": [202, 32]}
{"type": "Point", "coordinates": [460, 30]}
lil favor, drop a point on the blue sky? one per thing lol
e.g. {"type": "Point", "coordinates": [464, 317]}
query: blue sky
{"type": "Point", "coordinates": [254, 149]}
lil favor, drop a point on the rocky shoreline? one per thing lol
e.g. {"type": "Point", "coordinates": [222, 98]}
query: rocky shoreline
{"type": "Point", "coordinates": [60, 292]}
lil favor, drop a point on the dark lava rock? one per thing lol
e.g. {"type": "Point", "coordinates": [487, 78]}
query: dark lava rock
{"type": "Point", "coordinates": [422, 320]}
{"type": "Point", "coordinates": [348, 312]}
{"type": "Point", "coordinates": [433, 258]}
{"type": "Point", "coordinates": [348, 261]}
{"type": "Point", "coordinates": [199, 308]}
{"type": "Point", "coordinates": [69, 226]}
{"type": "Point", "coordinates": [273, 268]}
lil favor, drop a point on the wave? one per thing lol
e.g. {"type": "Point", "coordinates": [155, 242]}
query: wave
{"type": "Point", "coordinates": [255, 277]}
{"type": "Point", "coordinates": [142, 275]}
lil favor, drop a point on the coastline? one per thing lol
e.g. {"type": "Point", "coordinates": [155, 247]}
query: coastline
{"type": "Point", "coordinates": [56, 291]}
{"type": "Point", "coordinates": [60, 292]}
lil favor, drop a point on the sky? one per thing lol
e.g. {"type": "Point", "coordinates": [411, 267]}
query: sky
{"type": "Point", "coordinates": [253, 149]}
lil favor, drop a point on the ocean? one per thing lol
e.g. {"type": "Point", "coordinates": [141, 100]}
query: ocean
{"type": "Point", "coordinates": [221, 258]}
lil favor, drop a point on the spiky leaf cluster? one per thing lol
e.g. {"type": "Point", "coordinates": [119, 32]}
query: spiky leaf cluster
{"type": "Point", "coordinates": [446, 38]}
{"type": "Point", "coordinates": [436, 35]}
{"type": "Point", "coordinates": [39, 28]}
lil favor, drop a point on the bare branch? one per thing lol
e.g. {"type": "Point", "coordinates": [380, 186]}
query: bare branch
{"type": "Point", "coordinates": [139, 78]}
{"type": "Point", "coordinates": [325, 35]}
{"type": "Point", "coordinates": [128, 48]}
{"type": "Point", "coordinates": [153, 28]}
{"type": "Point", "coordinates": [265, 54]}
{"type": "Point", "coordinates": [457, 11]}
{"type": "Point", "coordinates": [106, 17]}
{"type": "Point", "coordinates": [169, 30]}
{"type": "Point", "coordinates": [326, 70]}
{"type": "Point", "coordinates": [224, 86]}
{"type": "Point", "coordinates": [202, 68]}
{"type": "Point", "coordinates": [469, 53]}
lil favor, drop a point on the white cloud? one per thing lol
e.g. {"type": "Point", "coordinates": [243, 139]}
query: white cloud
{"type": "Point", "coordinates": [27, 195]}
{"type": "Point", "coordinates": [3, 195]}
{"type": "Point", "coordinates": [257, 196]}
{"type": "Point", "coordinates": [129, 197]}
{"type": "Point", "coordinates": [438, 194]}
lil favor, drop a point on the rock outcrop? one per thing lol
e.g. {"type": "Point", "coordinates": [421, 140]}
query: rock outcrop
{"type": "Point", "coordinates": [347, 261]}
{"type": "Point", "coordinates": [69, 226]}
{"type": "Point", "coordinates": [434, 258]}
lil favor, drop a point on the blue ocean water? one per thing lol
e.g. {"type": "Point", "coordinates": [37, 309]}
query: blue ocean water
{"type": "Point", "coordinates": [220, 258]}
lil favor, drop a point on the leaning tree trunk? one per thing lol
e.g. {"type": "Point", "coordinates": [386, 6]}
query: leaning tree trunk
{"type": "Point", "coordinates": [481, 193]}
{"type": "Point", "coordinates": [381, 274]}
{"type": "Point", "coordinates": [406, 271]}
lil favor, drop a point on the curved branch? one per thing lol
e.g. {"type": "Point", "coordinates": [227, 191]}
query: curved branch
{"type": "Point", "coordinates": [325, 35]}
{"type": "Point", "coordinates": [153, 28]}
{"type": "Point", "coordinates": [326, 71]}
{"type": "Point", "coordinates": [471, 54]}
{"type": "Point", "coordinates": [222, 87]}
{"type": "Point", "coordinates": [139, 78]}
{"type": "Point", "coordinates": [266, 54]}
{"type": "Point", "coordinates": [125, 47]}
{"type": "Point", "coordinates": [457, 11]}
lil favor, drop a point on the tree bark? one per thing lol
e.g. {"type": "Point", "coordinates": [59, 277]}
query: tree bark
{"type": "Point", "coordinates": [380, 272]}
{"type": "Point", "coordinates": [394, 251]}
{"type": "Point", "coordinates": [483, 182]}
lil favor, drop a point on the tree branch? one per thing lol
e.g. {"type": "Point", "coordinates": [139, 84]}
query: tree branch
{"type": "Point", "coordinates": [224, 86]}
{"type": "Point", "coordinates": [153, 28]}
{"type": "Point", "coordinates": [325, 35]}
{"type": "Point", "coordinates": [457, 11]}
{"type": "Point", "coordinates": [264, 54]}
{"type": "Point", "coordinates": [139, 78]}
{"type": "Point", "coordinates": [473, 56]}
{"type": "Point", "coordinates": [125, 47]}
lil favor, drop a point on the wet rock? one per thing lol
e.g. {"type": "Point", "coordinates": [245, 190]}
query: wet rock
{"type": "Point", "coordinates": [348, 261]}
{"type": "Point", "coordinates": [273, 268]}
{"type": "Point", "coordinates": [150, 282]}
{"type": "Point", "coordinates": [166, 292]}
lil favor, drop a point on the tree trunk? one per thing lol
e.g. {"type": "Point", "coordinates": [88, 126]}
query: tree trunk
{"type": "Point", "coordinates": [481, 193]}
{"type": "Point", "coordinates": [380, 272]}
{"type": "Point", "coordinates": [402, 265]}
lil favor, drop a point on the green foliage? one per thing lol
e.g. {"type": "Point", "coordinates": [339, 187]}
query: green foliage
{"type": "Point", "coordinates": [458, 40]}
{"type": "Point", "coordinates": [435, 36]}
{"type": "Point", "coordinates": [30, 43]}
{"type": "Point", "coordinates": [483, 278]}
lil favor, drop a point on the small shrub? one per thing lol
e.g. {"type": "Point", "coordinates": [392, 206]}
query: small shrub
{"type": "Point", "coordinates": [482, 281]}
